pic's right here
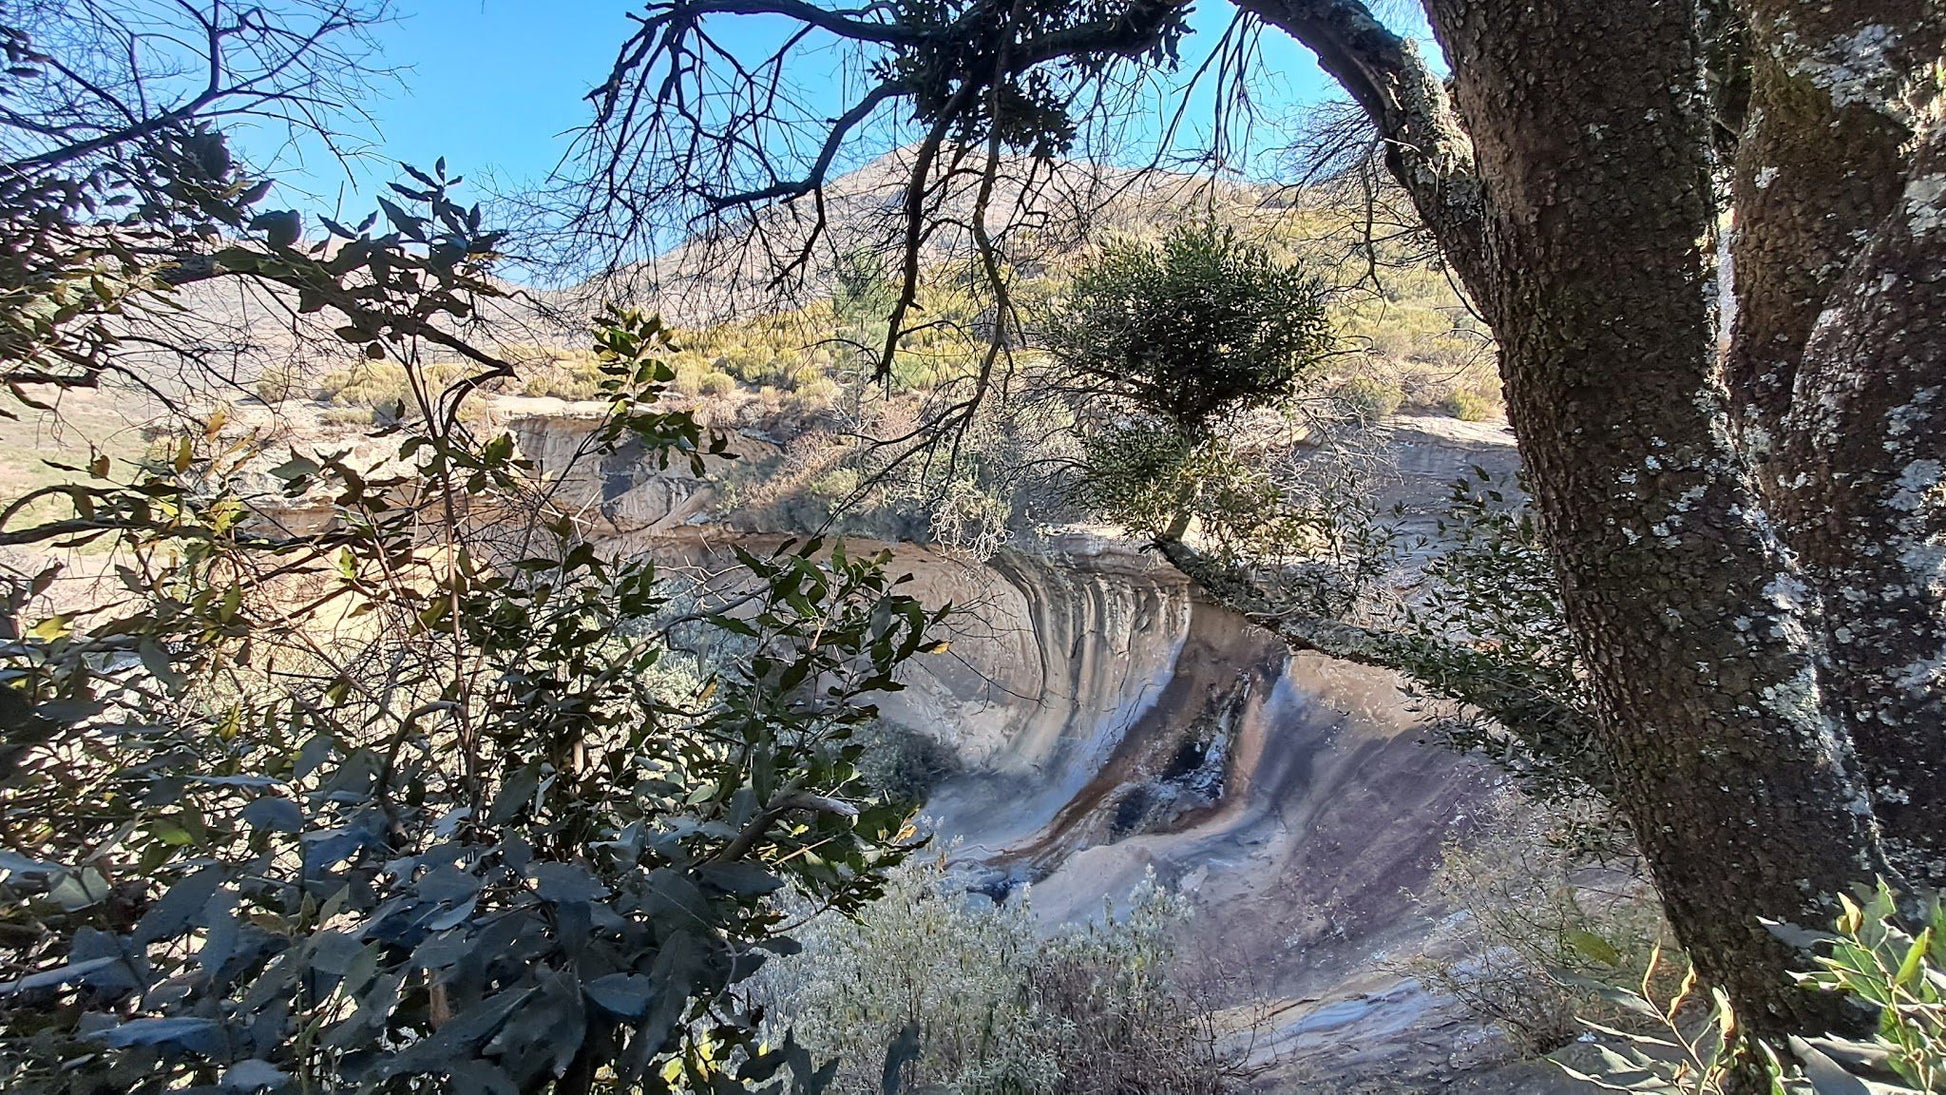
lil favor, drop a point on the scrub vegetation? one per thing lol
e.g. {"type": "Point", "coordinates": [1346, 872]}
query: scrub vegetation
{"type": "Point", "coordinates": [341, 749]}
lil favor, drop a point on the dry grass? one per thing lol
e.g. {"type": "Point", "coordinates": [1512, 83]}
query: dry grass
{"type": "Point", "coordinates": [1528, 912]}
{"type": "Point", "coordinates": [86, 424]}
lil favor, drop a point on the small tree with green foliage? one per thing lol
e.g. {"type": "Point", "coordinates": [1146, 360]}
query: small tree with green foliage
{"type": "Point", "coordinates": [1155, 344]}
{"type": "Point", "coordinates": [416, 800]}
{"type": "Point", "coordinates": [426, 799]}
{"type": "Point", "coordinates": [1202, 324]}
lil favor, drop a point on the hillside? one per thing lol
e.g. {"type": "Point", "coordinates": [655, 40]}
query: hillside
{"type": "Point", "coordinates": [789, 364]}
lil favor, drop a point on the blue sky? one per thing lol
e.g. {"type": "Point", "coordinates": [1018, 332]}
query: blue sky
{"type": "Point", "coordinates": [491, 85]}
{"type": "Point", "coordinates": [495, 86]}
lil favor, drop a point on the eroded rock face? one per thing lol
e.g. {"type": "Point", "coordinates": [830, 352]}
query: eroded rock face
{"type": "Point", "coordinates": [1111, 724]}
{"type": "Point", "coordinates": [624, 492]}
{"type": "Point", "coordinates": [1107, 723]}
{"type": "Point", "coordinates": [1055, 661]}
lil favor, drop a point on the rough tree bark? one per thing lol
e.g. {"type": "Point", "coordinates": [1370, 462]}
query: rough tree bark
{"type": "Point", "coordinates": [1589, 155]}
{"type": "Point", "coordinates": [1865, 506]}
{"type": "Point", "coordinates": [1687, 613]}
{"type": "Point", "coordinates": [1837, 369]}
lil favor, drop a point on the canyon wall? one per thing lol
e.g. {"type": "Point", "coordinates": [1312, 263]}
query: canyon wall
{"type": "Point", "coordinates": [1107, 723]}
{"type": "Point", "coordinates": [1112, 724]}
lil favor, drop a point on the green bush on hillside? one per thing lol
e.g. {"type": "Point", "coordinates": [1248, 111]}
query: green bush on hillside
{"type": "Point", "coordinates": [1369, 400]}
{"type": "Point", "coordinates": [1472, 405]}
{"type": "Point", "coordinates": [1198, 325]}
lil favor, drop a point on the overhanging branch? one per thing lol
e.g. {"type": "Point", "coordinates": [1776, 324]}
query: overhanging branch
{"type": "Point", "coordinates": [1540, 722]}
{"type": "Point", "coordinates": [1427, 150]}
{"type": "Point", "coordinates": [821, 167]}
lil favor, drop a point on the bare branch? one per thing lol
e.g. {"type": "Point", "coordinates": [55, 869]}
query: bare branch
{"type": "Point", "coordinates": [1426, 148]}
{"type": "Point", "coordinates": [821, 168]}
{"type": "Point", "coordinates": [1448, 670]}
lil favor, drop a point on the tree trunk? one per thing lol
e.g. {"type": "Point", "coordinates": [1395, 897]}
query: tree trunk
{"type": "Point", "coordinates": [1838, 372]}
{"type": "Point", "coordinates": [1593, 260]}
{"type": "Point", "coordinates": [1864, 442]}
{"type": "Point", "coordinates": [1600, 221]}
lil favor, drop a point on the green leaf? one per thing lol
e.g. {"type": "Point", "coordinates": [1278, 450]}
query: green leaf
{"type": "Point", "coordinates": [404, 222]}
{"type": "Point", "coordinates": [1592, 947]}
{"type": "Point", "coordinates": [156, 661]}
{"type": "Point", "coordinates": [625, 994]}
{"type": "Point", "coordinates": [514, 795]}
{"type": "Point", "coordinates": [189, 1033]}
{"type": "Point", "coordinates": [281, 227]}
{"type": "Point", "coordinates": [179, 908]}
{"type": "Point", "coordinates": [253, 1075]}
{"type": "Point", "coordinates": [566, 883]}
{"type": "Point", "coordinates": [80, 890]}
{"type": "Point", "coordinates": [745, 879]}
{"type": "Point", "coordinates": [1827, 1076]}
{"type": "Point", "coordinates": [60, 975]}
{"type": "Point", "coordinates": [274, 815]}
{"type": "Point", "coordinates": [297, 467]}
{"type": "Point", "coordinates": [1915, 957]}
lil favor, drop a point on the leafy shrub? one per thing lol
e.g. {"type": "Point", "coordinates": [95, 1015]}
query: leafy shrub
{"type": "Point", "coordinates": [1369, 399]}
{"type": "Point", "coordinates": [1303, 525]}
{"type": "Point", "coordinates": [385, 384]}
{"type": "Point", "coordinates": [923, 368]}
{"type": "Point", "coordinates": [925, 953]}
{"type": "Point", "coordinates": [1870, 958]}
{"type": "Point", "coordinates": [1540, 925]}
{"type": "Point", "coordinates": [816, 393]}
{"type": "Point", "coordinates": [1874, 959]}
{"type": "Point", "coordinates": [1472, 405]}
{"type": "Point", "coordinates": [1202, 324]}
{"type": "Point", "coordinates": [970, 498]}
{"type": "Point", "coordinates": [997, 1006]}
{"type": "Point", "coordinates": [862, 293]}
{"type": "Point", "coordinates": [906, 764]}
{"type": "Point", "coordinates": [414, 805]}
{"type": "Point", "coordinates": [716, 383]}
{"type": "Point", "coordinates": [1162, 351]}
{"type": "Point", "coordinates": [278, 383]}
{"type": "Point", "coordinates": [834, 487]}
{"type": "Point", "coordinates": [560, 375]}
{"type": "Point", "coordinates": [352, 416]}
{"type": "Point", "coordinates": [754, 366]}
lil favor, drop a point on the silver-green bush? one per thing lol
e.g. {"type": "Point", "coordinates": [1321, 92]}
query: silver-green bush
{"type": "Point", "coordinates": [999, 1006]}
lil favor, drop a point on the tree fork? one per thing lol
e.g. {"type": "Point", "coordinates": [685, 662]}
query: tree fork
{"type": "Point", "coordinates": [1588, 128]}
